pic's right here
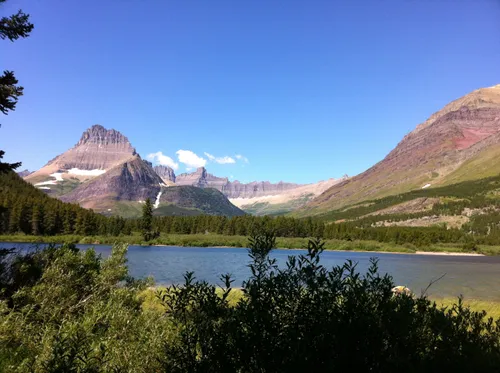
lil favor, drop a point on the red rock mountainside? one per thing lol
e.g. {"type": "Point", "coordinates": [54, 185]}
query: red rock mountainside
{"type": "Point", "coordinates": [460, 142]}
{"type": "Point", "coordinates": [166, 173]}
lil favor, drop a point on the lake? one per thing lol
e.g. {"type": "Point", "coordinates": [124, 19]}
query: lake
{"type": "Point", "coordinates": [475, 277]}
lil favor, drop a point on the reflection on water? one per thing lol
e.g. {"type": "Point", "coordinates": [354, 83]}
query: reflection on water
{"type": "Point", "coordinates": [472, 276]}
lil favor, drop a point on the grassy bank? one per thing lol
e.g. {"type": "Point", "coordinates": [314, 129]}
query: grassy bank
{"type": "Point", "coordinates": [492, 308]}
{"type": "Point", "coordinates": [214, 240]}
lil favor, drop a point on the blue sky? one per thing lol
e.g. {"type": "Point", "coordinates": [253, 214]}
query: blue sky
{"type": "Point", "coordinates": [305, 90]}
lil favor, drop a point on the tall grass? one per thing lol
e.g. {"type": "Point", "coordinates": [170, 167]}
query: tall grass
{"type": "Point", "coordinates": [492, 308]}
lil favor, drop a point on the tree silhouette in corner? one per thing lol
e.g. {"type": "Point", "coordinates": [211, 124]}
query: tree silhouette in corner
{"type": "Point", "coordinates": [13, 27]}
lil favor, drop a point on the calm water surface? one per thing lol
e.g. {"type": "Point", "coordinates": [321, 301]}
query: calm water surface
{"type": "Point", "coordinates": [472, 276]}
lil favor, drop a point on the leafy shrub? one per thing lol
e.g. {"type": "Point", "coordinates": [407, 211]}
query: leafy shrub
{"type": "Point", "coordinates": [81, 315]}
{"type": "Point", "coordinates": [308, 318]}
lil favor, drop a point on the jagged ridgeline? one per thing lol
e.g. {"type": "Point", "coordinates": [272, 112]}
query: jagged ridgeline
{"type": "Point", "coordinates": [103, 171]}
{"type": "Point", "coordinates": [459, 143]}
{"type": "Point", "coordinates": [26, 209]}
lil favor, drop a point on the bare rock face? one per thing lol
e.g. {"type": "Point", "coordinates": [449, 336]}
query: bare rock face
{"type": "Point", "coordinates": [166, 173]}
{"type": "Point", "coordinates": [478, 99]}
{"type": "Point", "coordinates": [443, 141]}
{"type": "Point", "coordinates": [202, 179]}
{"type": "Point", "coordinates": [133, 180]}
{"type": "Point", "coordinates": [98, 150]}
{"type": "Point", "coordinates": [257, 189]}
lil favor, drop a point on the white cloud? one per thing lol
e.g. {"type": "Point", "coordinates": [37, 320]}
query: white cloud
{"type": "Point", "coordinates": [225, 160]}
{"type": "Point", "coordinates": [190, 159]}
{"type": "Point", "coordinates": [164, 160]}
{"type": "Point", "coordinates": [210, 156]}
{"type": "Point", "coordinates": [220, 160]}
{"type": "Point", "coordinates": [242, 158]}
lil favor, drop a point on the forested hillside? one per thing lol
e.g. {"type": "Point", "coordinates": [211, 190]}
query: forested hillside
{"type": "Point", "coordinates": [24, 209]}
{"type": "Point", "coordinates": [470, 207]}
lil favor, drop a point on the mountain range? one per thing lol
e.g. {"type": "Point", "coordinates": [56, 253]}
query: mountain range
{"type": "Point", "coordinates": [455, 145]}
{"type": "Point", "coordinates": [103, 171]}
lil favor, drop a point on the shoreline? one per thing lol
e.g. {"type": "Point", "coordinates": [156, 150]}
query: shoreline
{"type": "Point", "coordinates": [445, 253]}
{"type": "Point", "coordinates": [417, 252]}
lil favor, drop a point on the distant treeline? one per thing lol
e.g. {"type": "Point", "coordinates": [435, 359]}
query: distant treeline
{"type": "Point", "coordinates": [25, 209]}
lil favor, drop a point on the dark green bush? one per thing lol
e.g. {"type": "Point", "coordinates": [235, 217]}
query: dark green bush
{"type": "Point", "coordinates": [308, 318]}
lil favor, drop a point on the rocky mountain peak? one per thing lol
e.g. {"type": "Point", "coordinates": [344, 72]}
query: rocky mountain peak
{"type": "Point", "coordinates": [99, 135]}
{"type": "Point", "coordinates": [98, 150]}
{"type": "Point", "coordinates": [202, 171]}
{"type": "Point", "coordinates": [24, 173]}
{"type": "Point", "coordinates": [479, 99]}
{"type": "Point", "coordinates": [166, 173]}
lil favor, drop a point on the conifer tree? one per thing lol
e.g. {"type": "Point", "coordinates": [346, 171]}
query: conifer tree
{"type": "Point", "coordinates": [12, 28]}
{"type": "Point", "coordinates": [50, 222]}
{"type": "Point", "coordinates": [35, 221]}
{"type": "Point", "coordinates": [4, 219]}
{"type": "Point", "coordinates": [6, 167]}
{"type": "Point", "coordinates": [79, 226]}
{"type": "Point", "coordinates": [102, 228]}
{"type": "Point", "coordinates": [67, 222]}
{"type": "Point", "coordinates": [90, 224]}
{"type": "Point", "coordinates": [15, 218]}
{"type": "Point", "coordinates": [147, 219]}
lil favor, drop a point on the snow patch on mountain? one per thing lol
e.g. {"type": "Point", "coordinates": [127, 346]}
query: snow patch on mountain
{"type": "Point", "coordinates": [56, 175]}
{"type": "Point", "coordinates": [77, 171]}
{"type": "Point", "coordinates": [49, 182]}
